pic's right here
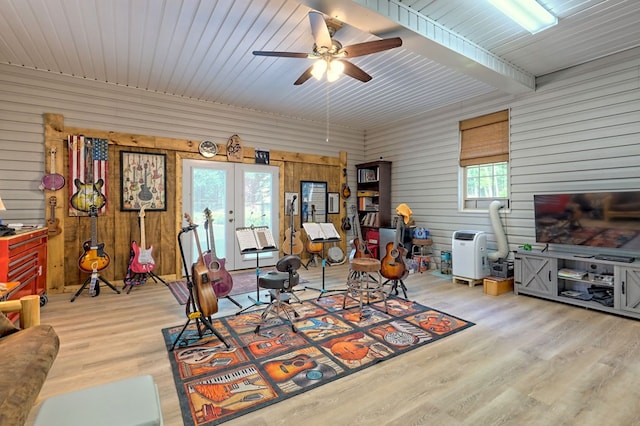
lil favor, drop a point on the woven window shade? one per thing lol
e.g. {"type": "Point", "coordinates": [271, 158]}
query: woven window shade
{"type": "Point", "coordinates": [485, 139]}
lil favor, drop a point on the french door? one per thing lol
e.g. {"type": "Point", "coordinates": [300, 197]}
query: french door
{"type": "Point", "coordinates": [237, 195]}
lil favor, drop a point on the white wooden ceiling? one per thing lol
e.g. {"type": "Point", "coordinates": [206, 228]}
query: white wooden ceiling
{"type": "Point", "coordinates": [201, 49]}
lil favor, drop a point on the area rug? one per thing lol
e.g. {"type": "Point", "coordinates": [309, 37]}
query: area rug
{"type": "Point", "coordinates": [243, 282]}
{"type": "Point", "coordinates": [216, 384]}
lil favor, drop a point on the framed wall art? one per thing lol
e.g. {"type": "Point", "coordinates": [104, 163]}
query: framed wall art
{"type": "Point", "coordinates": [333, 201]}
{"type": "Point", "coordinates": [314, 201]}
{"type": "Point", "coordinates": [143, 179]}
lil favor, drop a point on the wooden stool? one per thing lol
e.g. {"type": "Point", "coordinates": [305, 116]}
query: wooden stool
{"type": "Point", "coordinates": [361, 281]}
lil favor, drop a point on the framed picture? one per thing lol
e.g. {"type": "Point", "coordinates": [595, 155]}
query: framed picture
{"type": "Point", "coordinates": [143, 179]}
{"type": "Point", "coordinates": [288, 200]}
{"type": "Point", "coordinates": [313, 202]}
{"type": "Point", "coordinates": [333, 203]}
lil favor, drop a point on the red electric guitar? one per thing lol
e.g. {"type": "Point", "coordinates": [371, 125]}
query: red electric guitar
{"type": "Point", "coordinates": [142, 261]}
{"type": "Point", "coordinates": [221, 279]}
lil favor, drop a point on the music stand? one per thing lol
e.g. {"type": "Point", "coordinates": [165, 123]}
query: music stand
{"type": "Point", "coordinates": [192, 311]}
{"type": "Point", "coordinates": [255, 239]}
{"type": "Point", "coordinates": [322, 233]}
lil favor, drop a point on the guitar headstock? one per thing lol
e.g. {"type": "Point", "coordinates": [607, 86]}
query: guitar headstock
{"type": "Point", "coordinates": [53, 201]}
{"type": "Point", "coordinates": [187, 217]}
{"type": "Point", "coordinates": [208, 214]}
{"type": "Point", "coordinates": [141, 213]}
{"type": "Point", "coordinates": [93, 211]}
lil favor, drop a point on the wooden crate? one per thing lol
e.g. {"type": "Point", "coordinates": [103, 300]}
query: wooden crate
{"type": "Point", "coordinates": [495, 286]}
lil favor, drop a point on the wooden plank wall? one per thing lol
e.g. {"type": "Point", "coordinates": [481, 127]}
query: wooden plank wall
{"type": "Point", "coordinates": [118, 228]}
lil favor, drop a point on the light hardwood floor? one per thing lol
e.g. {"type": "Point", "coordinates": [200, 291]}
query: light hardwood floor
{"type": "Point", "coordinates": [526, 361]}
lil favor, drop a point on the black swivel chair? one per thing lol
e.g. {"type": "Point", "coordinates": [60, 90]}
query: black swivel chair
{"type": "Point", "coordinates": [278, 282]}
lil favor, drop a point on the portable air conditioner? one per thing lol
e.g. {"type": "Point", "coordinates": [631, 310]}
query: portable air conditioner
{"type": "Point", "coordinates": [469, 254]}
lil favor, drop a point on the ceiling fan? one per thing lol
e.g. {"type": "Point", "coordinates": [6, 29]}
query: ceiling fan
{"type": "Point", "coordinates": [331, 56]}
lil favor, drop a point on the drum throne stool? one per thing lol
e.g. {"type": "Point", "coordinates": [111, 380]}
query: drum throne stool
{"type": "Point", "coordinates": [280, 284]}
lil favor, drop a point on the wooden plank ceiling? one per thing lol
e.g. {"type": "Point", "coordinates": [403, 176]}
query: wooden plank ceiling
{"type": "Point", "coordinates": [201, 49]}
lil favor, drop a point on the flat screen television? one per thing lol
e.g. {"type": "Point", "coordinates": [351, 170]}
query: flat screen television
{"type": "Point", "coordinates": [595, 219]}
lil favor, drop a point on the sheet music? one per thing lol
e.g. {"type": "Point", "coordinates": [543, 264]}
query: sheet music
{"type": "Point", "coordinates": [321, 231]}
{"type": "Point", "coordinates": [256, 238]}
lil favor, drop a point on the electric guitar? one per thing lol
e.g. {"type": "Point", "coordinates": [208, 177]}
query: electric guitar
{"type": "Point", "coordinates": [221, 279]}
{"type": "Point", "coordinates": [142, 261]}
{"type": "Point", "coordinates": [205, 298]}
{"type": "Point", "coordinates": [53, 224]}
{"type": "Point", "coordinates": [88, 194]}
{"type": "Point", "coordinates": [359, 247]}
{"type": "Point", "coordinates": [392, 264]}
{"type": "Point", "coordinates": [218, 392]}
{"type": "Point", "coordinates": [94, 257]}
{"type": "Point", "coordinates": [292, 242]}
{"type": "Point", "coordinates": [311, 246]}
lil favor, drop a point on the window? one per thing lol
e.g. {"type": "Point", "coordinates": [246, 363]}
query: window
{"type": "Point", "coordinates": [484, 160]}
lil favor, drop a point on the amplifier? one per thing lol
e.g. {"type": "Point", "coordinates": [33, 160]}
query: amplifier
{"type": "Point", "coordinates": [502, 269]}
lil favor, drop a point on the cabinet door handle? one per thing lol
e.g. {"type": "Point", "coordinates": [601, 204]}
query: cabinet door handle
{"type": "Point", "coordinates": [549, 276]}
{"type": "Point", "coordinates": [622, 287]}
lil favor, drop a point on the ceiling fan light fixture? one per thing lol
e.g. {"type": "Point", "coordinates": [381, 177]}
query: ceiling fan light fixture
{"type": "Point", "coordinates": [318, 69]}
{"type": "Point", "coordinates": [529, 14]}
{"type": "Point", "coordinates": [335, 70]}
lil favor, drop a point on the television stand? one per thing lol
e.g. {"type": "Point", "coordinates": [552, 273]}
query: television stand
{"type": "Point", "coordinates": [609, 285]}
{"type": "Point", "coordinates": [615, 258]}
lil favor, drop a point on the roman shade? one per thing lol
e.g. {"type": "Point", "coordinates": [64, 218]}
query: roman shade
{"type": "Point", "coordinates": [485, 139]}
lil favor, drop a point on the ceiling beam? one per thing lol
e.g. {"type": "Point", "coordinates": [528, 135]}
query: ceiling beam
{"type": "Point", "coordinates": [388, 18]}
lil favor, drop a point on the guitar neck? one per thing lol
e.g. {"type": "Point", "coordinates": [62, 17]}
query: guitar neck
{"type": "Point", "coordinates": [94, 230]}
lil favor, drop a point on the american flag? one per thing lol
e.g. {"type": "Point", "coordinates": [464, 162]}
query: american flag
{"type": "Point", "coordinates": [88, 171]}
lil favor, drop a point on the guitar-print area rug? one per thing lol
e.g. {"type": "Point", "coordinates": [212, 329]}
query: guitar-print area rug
{"type": "Point", "coordinates": [216, 384]}
{"type": "Point", "coordinates": [243, 282]}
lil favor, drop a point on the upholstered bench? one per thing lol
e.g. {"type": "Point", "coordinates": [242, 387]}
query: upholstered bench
{"type": "Point", "coordinates": [129, 402]}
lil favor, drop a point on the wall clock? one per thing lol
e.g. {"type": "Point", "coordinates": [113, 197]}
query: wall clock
{"type": "Point", "coordinates": [208, 149]}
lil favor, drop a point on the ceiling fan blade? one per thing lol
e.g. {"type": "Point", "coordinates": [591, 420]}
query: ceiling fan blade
{"type": "Point", "coordinates": [281, 54]}
{"type": "Point", "coordinates": [355, 72]}
{"type": "Point", "coordinates": [304, 77]}
{"type": "Point", "coordinates": [319, 30]}
{"type": "Point", "coordinates": [368, 47]}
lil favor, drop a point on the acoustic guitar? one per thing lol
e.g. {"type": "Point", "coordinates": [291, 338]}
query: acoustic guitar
{"type": "Point", "coordinates": [94, 257]}
{"type": "Point", "coordinates": [346, 223]}
{"type": "Point", "coordinates": [142, 261]}
{"type": "Point", "coordinates": [221, 279]}
{"type": "Point", "coordinates": [282, 370]}
{"type": "Point", "coordinates": [346, 191]}
{"type": "Point", "coordinates": [53, 224]}
{"type": "Point", "coordinates": [392, 264]}
{"type": "Point", "coordinates": [312, 247]}
{"type": "Point", "coordinates": [359, 248]}
{"type": "Point", "coordinates": [205, 297]}
{"type": "Point", "coordinates": [292, 242]}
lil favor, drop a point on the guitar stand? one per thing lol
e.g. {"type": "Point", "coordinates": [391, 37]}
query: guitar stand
{"type": "Point", "coordinates": [257, 301]}
{"type": "Point", "coordinates": [191, 309]}
{"type": "Point", "coordinates": [313, 258]}
{"type": "Point", "coordinates": [97, 286]}
{"type": "Point", "coordinates": [141, 278]}
{"type": "Point", "coordinates": [394, 287]}
{"type": "Point", "coordinates": [323, 290]}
